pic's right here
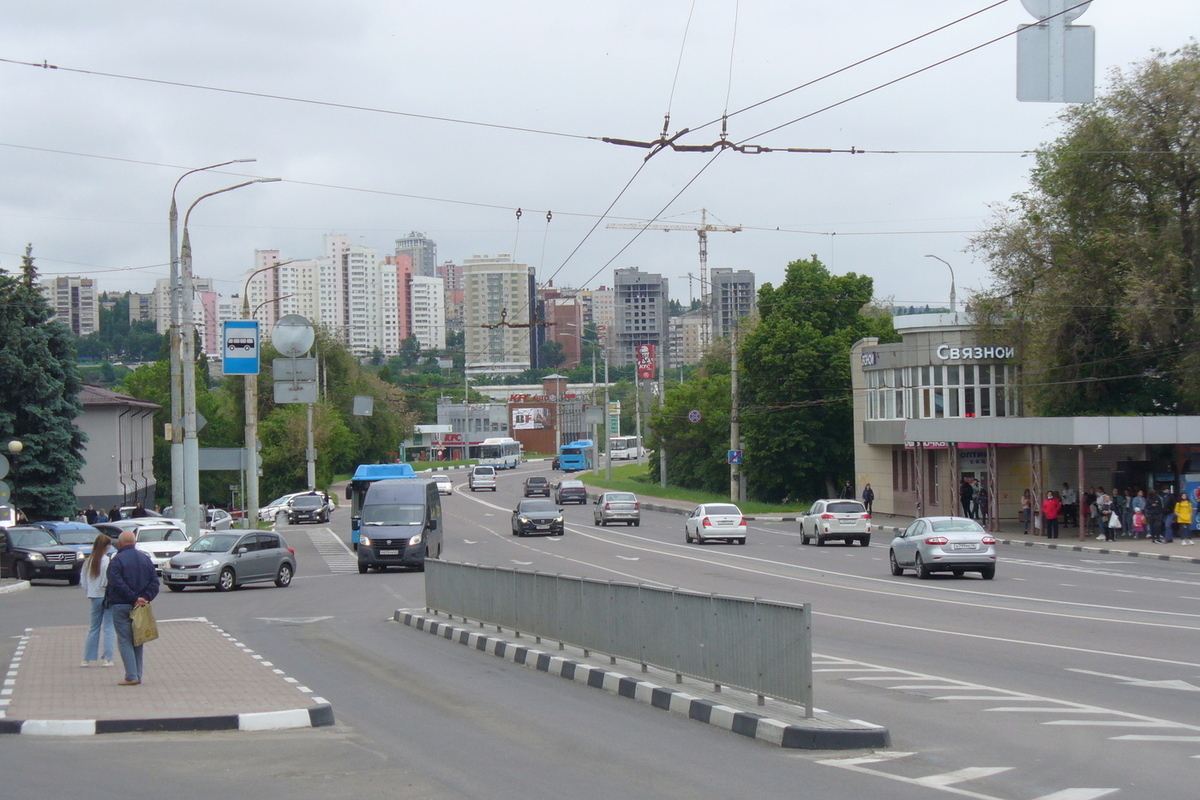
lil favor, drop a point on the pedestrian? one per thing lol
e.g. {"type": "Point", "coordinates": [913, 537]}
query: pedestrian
{"type": "Point", "coordinates": [1087, 513]}
{"type": "Point", "coordinates": [868, 497]}
{"type": "Point", "coordinates": [1138, 503]}
{"type": "Point", "coordinates": [80, 516]}
{"type": "Point", "coordinates": [1026, 510]}
{"type": "Point", "coordinates": [132, 583]}
{"type": "Point", "coordinates": [90, 515]}
{"type": "Point", "coordinates": [101, 516]}
{"type": "Point", "coordinates": [1112, 528]}
{"type": "Point", "coordinates": [139, 511]}
{"type": "Point", "coordinates": [1183, 518]}
{"type": "Point", "coordinates": [1154, 516]}
{"type": "Point", "coordinates": [847, 492]}
{"type": "Point", "coordinates": [965, 493]}
{"type": "Point", "coordinates": [1051, 506]}
{"type": "Point", "coordinates": [114, 513]}
{"type": "Point", "coordinates": [1070, 509]}
{"type": "Point", "coordinates": [1139, 524]}
{"type": "Point", "coordinates": [95, 581]}
{"type": "Point", "coordinates": [1103, 512]}
{"type": "Point", "coordinates": [980, 502]}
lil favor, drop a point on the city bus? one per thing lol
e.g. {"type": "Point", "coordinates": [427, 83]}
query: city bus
{"type": "Point", "coordinates": [624, 447]}
{"type": "Point", "coordinates": [576, 455]}
{"type": "Point", "coordinates": [356, 491]}
{"type": "Point", "coordinates": [500, 453]}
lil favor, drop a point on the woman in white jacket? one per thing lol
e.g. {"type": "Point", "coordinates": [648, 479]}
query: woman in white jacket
{"type": "Point", "coordinates": [95, 581]}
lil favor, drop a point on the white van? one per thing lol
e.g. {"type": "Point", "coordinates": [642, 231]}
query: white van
{"type": "Point", "coordinates": [482, 478]}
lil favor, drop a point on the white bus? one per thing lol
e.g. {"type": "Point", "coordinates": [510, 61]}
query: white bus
{"type": "Point", "coordinates": [500, 453]}
{"type": "Point", "coordinates": [624, 447]}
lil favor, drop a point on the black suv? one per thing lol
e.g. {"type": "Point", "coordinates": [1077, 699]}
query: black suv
{"type": "Point", "coordinates": [537, 485]}
{"type": "Point", "coordinates": [307, 508]}
{"type": "Point", "coordinates": [28, 552]}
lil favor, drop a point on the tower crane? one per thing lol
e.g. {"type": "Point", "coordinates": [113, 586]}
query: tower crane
{"type": "Point", "coordinates": [702, 231]}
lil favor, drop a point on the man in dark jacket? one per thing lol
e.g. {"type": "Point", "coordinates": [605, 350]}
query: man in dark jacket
{"type": "Point", "coordinates": [132, 582]}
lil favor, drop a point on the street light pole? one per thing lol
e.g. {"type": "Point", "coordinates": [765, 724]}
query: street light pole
{"type": "Point", "coordinates": [174, 337]}
{"type": "Point", "coordinates": [187, 358]}
{"type": "Point", "coordinates": [947, 263]}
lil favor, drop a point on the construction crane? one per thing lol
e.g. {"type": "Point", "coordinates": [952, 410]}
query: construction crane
{"type": "Point", "coordinates": [702, 231]}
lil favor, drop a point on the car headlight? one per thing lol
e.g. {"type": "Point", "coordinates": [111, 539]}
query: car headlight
{"type": "Point", "coordinates": [523, 520]}
{"type": "Point", "coordinates": [416, 539]}
{"type": "Point", "coordinates": [558, 520]}
{"type": "Point", "coordinates": [36, 557]}
{"type": "Point", "coordinates": [210, 564]}
{"type": "Point", "coordinates": [365, 540]}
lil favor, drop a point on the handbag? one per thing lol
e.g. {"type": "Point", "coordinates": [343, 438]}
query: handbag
{"type": "Point", "coordinates": [145, 627]}
{"type": "Point", "coordinates": [1114, 521]}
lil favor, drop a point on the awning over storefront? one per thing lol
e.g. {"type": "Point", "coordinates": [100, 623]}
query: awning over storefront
{"type": "Point", "coordinates": [1065, 431]}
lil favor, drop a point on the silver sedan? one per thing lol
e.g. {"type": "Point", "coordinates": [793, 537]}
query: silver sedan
{"type": "Point", "coordinates": [715, 521]}
{"type": "Point", "coordinates": [944, 544]}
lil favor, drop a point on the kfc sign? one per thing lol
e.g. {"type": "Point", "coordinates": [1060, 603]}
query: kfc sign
{"type": "Point", "coordinates": [644, 359]}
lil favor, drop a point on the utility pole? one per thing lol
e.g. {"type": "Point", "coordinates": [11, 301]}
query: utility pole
{"type": "Point", "coordinates": [735, 428]}
{"type": "Point", "coordinates": [607, 412]}
{"type": "Point", "coordinates": [662, 400]}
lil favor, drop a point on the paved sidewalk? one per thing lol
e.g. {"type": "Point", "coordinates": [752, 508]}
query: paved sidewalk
{"type": "Point", "coordinates": [197, 677]}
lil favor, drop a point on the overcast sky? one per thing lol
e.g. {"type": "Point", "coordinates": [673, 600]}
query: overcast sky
{"type": "Point", "coordinates": [338, 100]}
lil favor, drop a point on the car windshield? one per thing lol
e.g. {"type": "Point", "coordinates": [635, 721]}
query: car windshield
{"type": "Point", "coordinates": [538, 507]}
{"type": "Point", "coordinates": [278, 501]}
{"type": "Point", "coordinates": [308, 501]}
{"type": "Point", "coordinates": [31, 537]}
{"type": "Point", "coordinates": [719, 509]}
{"type": "Point", "coordinates": [621, 498]}
{"type": "Point", "coordinates": [393, 514]}
{"type": "Point", "coordinates": [532, 481]}
{"type": "Point", "coordinates": [214, 543]}
{"type": "Point", "coordinates": [484, 471]}
{"type": "Point", "coordinates": [846, 507]}
{"type": "Point", "coordinates": [152, 534]}
{"type": "Point", "coordinates": [76, 537]}
{"type": "Point", "coordinates": [956, 526]}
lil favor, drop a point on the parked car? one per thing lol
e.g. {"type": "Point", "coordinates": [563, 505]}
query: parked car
{"type": "Point", "coordinates": [161, 543]}
{"type": "Point", "coordinates": [570, 491]}
{"type": "Point", "coordinates": [268, 512]}
{"type": "Point", "coordinates": [537, 516]}
{"type": "Point", "coordinates": [944, 544]}
{"type": "Point", "coordinates": [537, 485]}
{"type": "Point", "coordinates": [617, 507]}
{"type": "Point", "coordinates": [27, 552]}
{"type": "Point", "coordinates": [307, 508]}
{"type": "Point", "coordinates": [218, 519]}
{"type": "Point", "coordinates": [482, 477]}
{"type": "Point", "coordinates": [715, 521]}
{"type": "Point", "coordinates": [225, 560]}
{"type": "Point", "coordinates": [846, 521]}
{"type": "Point", "coordinates": [444, 484]}
{"type": "Point", "coordinates": [127, 512]}
{"type": "Point", "coordinates": [77, 535]}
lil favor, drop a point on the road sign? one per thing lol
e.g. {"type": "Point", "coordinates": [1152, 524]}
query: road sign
{"type": "Point", "coordinates": [239, 347]}
{"type": "Point", "coordinates": [4, 492]}
{"type": "Point", "coordinates": [693, 416]}
{"type": "Point", "coordinates": [3, 466]}
{"type": "Point", "coordinates": [294, 369]}
{"type": "Point", "coordinates": [302, 392]}
{"type": "Point", "coordinates": [292, 335]}
{"type": "Point", "coordinates": [734, 456]}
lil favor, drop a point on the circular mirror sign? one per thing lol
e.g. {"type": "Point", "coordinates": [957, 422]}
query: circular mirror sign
{"type": "Point", "coordinates": [293, 335]}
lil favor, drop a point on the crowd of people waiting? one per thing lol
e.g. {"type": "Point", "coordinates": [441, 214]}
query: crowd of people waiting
{"type": "Point", "coordinates": [1125, 513]}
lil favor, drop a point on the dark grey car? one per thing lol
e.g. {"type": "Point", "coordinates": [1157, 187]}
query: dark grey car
{"type": "Point", "coordinates": [226, 560]}
{"type": "Point", "coordinates": [537, 516]}
{"type": "Point", "coordinates": [27, 552]}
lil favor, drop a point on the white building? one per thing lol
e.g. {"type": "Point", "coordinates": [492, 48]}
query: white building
{"type": "Point", "coordinates": [75, 301]}
{"type": "Point", "coordinates": [497, 291]}
{"type": "Point", "coordinates": [426, 314]}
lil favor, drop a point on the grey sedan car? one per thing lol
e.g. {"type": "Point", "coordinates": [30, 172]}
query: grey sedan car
{"type": "Point", "coordinates": [617, 507]}
{"type": "Point", "coordinates": [226, 560]}
{"type": "Point", "coordinates": [944, 544]}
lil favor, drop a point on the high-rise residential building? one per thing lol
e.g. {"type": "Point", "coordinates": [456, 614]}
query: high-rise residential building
{"type": "Point", "coordinates": [499, 294]}
{"type": "Point", "coordinates": [423, 252]}
{"type": "Point", "coordinates": [640, 314]}
{"type": "Point", "coordinates": [426, 315]}
{"type": "Point", "coordinates": [732, 297]}
{"type": "Point", "coordinates": [162, 303]}
{"type": "Point", "coordinates": [452, 277]}
{"type": "Point", "coordinates": [686, 332]}
{"type": "Point", "coordinates": [562, 311]}
{"type": "Point", "coordinates": [75, 301]}
{"type": "Point", "coordinates": [142, 307]}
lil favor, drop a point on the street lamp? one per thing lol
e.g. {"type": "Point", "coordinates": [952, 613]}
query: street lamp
{"type": "Point", "coordinates": [177, 480]}
{"type": "Point", "coordinates": [187, 358]}
{"type": "Point", "coordinates": [947, 263]}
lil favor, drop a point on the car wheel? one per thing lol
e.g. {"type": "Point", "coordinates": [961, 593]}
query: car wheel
{"type": "Point", "coordinates": [22, 571]}
{"type": "Point", "coordinates": [687, 536]}
{"type": "Point", "coordinates": [896, 568]}
{"type": "Point", "coordinates": [284, 576]}
{"type": "Point", "coordinates": [73, 580]}
{"type": "Point", "coordinates": [804, 538]}
{"type": "Point", "coordinates": [865, 541]}
{"type": "Point", "coordinates": [226, 580]}
{"type": "Point", "coordinates": [741, 541]}
{"type": "Point", "coordinates": [923, 572]}
{"type": "Point", "coordinates": [988, 572]}
{"type": "Point", "coordinates": [820, 540]}
{"type": "Point", "coordinates": [421, 567]}
{"type": "Point", "coordinates": [174, 588]}
{"type": "Point", "coordinates": [362, 568]}
{"type": "Point", "coordinates": [637, 523]}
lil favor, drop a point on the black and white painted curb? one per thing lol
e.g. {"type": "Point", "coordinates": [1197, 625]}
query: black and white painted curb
{"type": "Point", "coordinates": [854, 735]}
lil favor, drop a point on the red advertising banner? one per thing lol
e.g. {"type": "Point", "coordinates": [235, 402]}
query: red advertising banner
{"type": "Point", "coordinates": [644, 358]}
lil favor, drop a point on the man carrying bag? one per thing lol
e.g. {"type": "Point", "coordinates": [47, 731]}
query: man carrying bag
{"type": "Point", "coordinates": [132, 583]}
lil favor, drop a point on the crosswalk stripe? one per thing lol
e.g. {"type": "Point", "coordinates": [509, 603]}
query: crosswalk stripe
{"type": "Point", "coordinates": [1077, 794]}
{"type": "Point", "coordinates": [960, 775]}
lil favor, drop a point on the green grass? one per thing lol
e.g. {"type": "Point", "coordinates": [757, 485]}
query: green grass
{"type": "Point", "coordinates": [633, 478]}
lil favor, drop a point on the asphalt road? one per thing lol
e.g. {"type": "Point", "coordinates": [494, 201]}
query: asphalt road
{"type": "Point", "coordinates": [1068, 677]}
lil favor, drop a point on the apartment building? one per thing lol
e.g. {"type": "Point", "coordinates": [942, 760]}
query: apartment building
{"type": "Point", "coordinates": [422, 251]}
{"type": "Point", "coordinates": [685, 336]}
{"type": "Point", "coordinates": [452, 281]}
{"type": "Point", "coordinates": [733, 296]}
{"type": "Point", "coordinates": [426, 311]}
{"type": "Point", "coordinates": [639, 313]}
{"type": "Point", "coordinates": [75, 301]}
{"type": "Point", "coordinates": [497, 290]}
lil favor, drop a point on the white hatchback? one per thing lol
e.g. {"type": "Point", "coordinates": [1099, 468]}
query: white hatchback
{"type": "Point", "coordinates": [722, 521]}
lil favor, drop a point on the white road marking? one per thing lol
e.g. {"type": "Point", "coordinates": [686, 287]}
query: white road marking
{"type": "Point", "coordinates": [960, 775]}
{"type": "Point", "coordinates": [1077, 794]}
{"type": "Point", "coordinates": [1135, 737]}
{"type": "Point", "coordinates": [336, 554]}
{"type": "Point", "coordinates": [294, 620]}
{"type": "Point", "coordinates": [629, 558]}
{"type": "Point", "coordinates": [1166, 684]}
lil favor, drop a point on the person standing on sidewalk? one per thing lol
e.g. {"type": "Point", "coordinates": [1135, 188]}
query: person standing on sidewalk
{"type": "Point", "coordinates": [95, 582]}
{"type": "Point", "coordinates": [1026, 509]}
{"type": "Point", "coordinates": [132, 582]}
{"type": "Point", "coordinates": [1070, 500]}
{"type": "Point", "coordinates": [868, 497]}
{"type": "Point", "coordinates": [1183, 518]}
{"type": "Point", "coordinates": [965, 493]}
{"type": "Point", "coordinates": [1154, 516]}
{"type": "Point", "coordinates": [1050, 508]}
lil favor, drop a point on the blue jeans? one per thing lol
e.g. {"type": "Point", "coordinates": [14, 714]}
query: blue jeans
{"type": "Point", "coordinates": [102, 619]}
{"type": "Point", "coordinates": [131, 656]}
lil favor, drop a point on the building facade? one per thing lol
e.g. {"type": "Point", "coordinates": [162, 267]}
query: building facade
{"type": "Point", "coordinates": [498, 293]}
{"type": "Point", "coordinates": [422, 251]}
{"type": "Point", "coordinates": [640, 301]}
{"type": "Point", "coordinates": [75, 301]}
{"type": "Point", "coordinates": [733, 296]}
{"type": "Point", "coordinates": [118, 467]}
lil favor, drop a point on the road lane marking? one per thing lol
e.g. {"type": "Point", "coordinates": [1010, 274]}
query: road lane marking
{"type": "Point", "coordinates": [960, 775]}
{"type": "Point", "coordinates": [1077, 794]}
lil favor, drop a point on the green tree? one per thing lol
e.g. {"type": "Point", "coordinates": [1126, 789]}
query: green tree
{"type": "Point", "coordinates": [1097, 265]}
{"type": "Point", "coordinates": [552, 354]}
{"type": "Point", "coordinates": [39, 398]}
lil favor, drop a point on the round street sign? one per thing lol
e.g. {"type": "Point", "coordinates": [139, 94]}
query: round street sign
{"type": "Point", "coordinates": [3, 466]}
{"type": "Point", "coordinates": [693, 416]}
{"type": "Point", "coordinates": [292, 335]}
{"type": "Point", "coordinates": [4, 492]}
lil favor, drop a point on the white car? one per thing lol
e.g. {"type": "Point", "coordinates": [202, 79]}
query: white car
{"type": "Point", "coordinates": [160, 542]}
{"type": "Point", "coordinates": [219, 519]}
{"type": "Point", "coordinates": [444, 484]}
{"type": "Point", "coordinates": [723, 521]}
{"type": "Point", "coordinates": [267, 513]}
{"type": "Point", "coordinates": [846, 521]}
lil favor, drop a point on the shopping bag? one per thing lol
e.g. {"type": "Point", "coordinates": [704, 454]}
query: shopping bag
{"type": "Point", "coordinates": [145, 629]}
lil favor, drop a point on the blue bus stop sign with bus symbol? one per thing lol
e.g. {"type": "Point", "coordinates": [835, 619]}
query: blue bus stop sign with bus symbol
{"type": "Point", "coordinates": [239, 347]}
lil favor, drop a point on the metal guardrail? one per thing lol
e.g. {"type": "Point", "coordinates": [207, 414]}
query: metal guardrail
{"type": "Point", "coordinates": [759, 646]}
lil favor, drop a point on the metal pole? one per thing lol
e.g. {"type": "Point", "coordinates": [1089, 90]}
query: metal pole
{"type": "Point", "coordinates": [735, 427]}
{"type": "Point", "coordinates": [662, 445]}
{"type": "Point", "coordinates": [310, 452]}
{"type": "Point", "coordinates": [607, 418]}
{"type": "Point", "coordinates": [947, 263]}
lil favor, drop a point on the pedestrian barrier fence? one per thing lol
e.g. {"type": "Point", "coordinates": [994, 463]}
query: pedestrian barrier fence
{"type": "Point", "coordinates": [758, 646]}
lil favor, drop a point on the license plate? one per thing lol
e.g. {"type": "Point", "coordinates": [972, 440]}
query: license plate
{"type": "Point", "coordinates": [63, 566]}
{"type": "Point", "coordinates": [847, 521]}
{"type": "Point", "coordinates": [962, 546]}
{"type": "Point", "coordinates": [389, 552]}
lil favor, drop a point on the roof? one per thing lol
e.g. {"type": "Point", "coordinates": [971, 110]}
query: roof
{"type": "Point", "coordinates": [1072, 431]}
{"type": "Point", "coordinates": [382, 472]}
{"type": "Point", "coordinates": [95, 396]}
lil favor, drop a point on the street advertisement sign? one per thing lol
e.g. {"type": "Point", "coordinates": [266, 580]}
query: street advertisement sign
{"type": "Point", "coordinates": [645, 361]}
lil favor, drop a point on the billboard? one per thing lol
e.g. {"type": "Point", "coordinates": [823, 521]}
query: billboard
{"type": "Point", "coordinates": [643, 357]}
{"type": "Point", "coordinates": [531, 418]}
